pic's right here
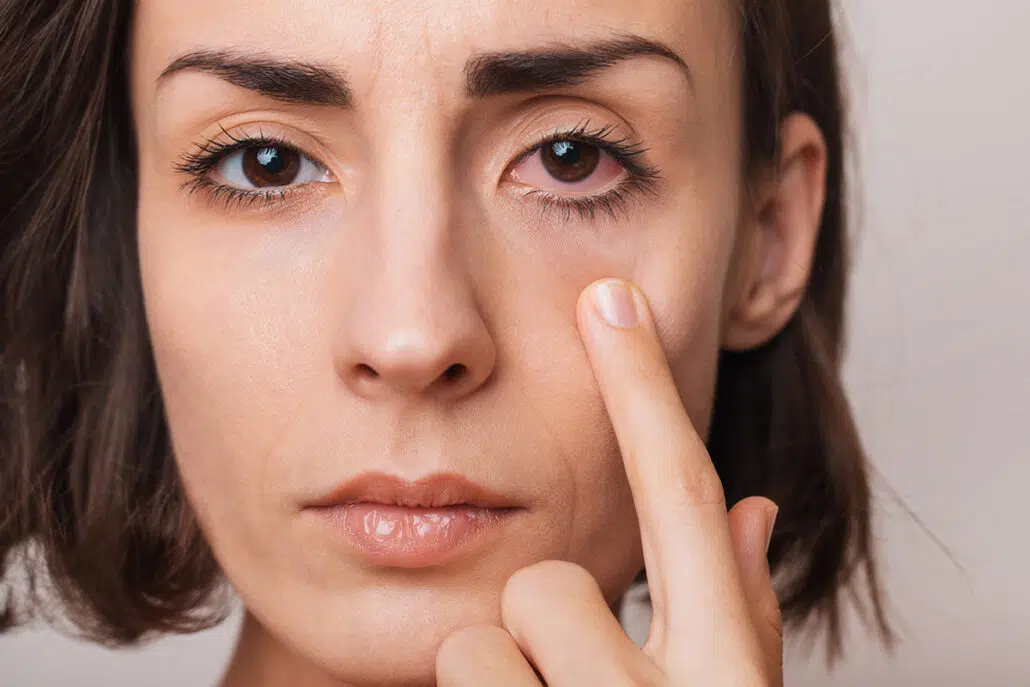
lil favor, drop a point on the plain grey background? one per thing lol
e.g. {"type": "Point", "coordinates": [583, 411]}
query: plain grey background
{"type": "Point", "coordinates": [938, 369]}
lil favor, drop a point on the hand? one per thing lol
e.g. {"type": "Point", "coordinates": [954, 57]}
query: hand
{"type": "Point", "coordinates": [715, 622]}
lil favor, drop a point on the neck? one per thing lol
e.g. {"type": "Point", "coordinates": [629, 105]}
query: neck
{"type": "Point", "coordinates": [260, 660]}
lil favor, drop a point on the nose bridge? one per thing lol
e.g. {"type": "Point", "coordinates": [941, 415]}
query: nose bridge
{"type": "Point", "coordinates": [413, 186]}
{"type": "Point", "coordinates": [413, 325]}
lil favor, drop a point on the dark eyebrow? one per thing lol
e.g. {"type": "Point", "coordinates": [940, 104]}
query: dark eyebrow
{"type": "Point", "coordinates": [555, 67]}
{"type": "Point", "coordinates": [286, 80]}
{"type": "Point", "coordinates": [486, 74]}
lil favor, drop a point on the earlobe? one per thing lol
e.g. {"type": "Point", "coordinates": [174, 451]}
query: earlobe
{"type": "Point", "coordinates": [781, 234]}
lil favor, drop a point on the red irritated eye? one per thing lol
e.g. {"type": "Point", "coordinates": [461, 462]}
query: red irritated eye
{"type": "Point", "coordinates": [568, 165]}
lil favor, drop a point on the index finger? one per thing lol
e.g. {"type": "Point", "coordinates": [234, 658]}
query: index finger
{"type": "Point", "coordinates": [691, 567]}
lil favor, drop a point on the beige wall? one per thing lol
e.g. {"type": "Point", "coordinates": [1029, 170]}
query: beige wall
{"type": "Point", "coordinates": [939, 366]}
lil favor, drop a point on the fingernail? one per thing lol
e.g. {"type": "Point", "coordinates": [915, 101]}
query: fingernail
{"type": "Point", "coordinates": [615, 303]}
{"type": "Point", "coordinates": [770, 524]}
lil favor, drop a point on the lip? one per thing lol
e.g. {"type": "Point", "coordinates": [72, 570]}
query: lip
{"type": "Point", "coordinates": [391, 522]}
{"type": "Point", "coordinates": [432, 491]}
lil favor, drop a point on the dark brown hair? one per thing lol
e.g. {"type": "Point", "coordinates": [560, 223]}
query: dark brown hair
{"type": "Point", "coordinates": [89, 492]}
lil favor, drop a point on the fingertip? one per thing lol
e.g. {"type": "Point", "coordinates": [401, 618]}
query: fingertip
{"type": "Point", "coordinates": [752, 521]}
{"type": "Point", "coordinates": [759, 502]}
{"type": "Point", "coordinates": [617, 303]}
{"type": "Point", "coordinates": [614, 306]}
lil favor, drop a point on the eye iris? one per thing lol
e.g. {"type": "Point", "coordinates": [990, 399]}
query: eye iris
{"type": "Point", "coordinates": [271, 166]}
{"type": "Point", "coordinates": [570, 161]}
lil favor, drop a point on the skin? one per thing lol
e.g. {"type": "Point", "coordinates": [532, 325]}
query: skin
{"type": "Point", "coordinates": [420, 250]}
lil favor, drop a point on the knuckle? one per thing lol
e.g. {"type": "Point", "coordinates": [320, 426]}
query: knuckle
{"type": "Point", "coordinates": [544, 584]}
{"type": "Point", "coordinates": [704, 488]}
{"type": "Point", "coordinates": [548, 578]}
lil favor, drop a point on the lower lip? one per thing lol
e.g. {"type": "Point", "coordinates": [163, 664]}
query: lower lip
{"type": "Point", "coordinates": [407, 537]}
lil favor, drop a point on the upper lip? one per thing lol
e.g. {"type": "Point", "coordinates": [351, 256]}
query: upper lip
{"type": "Point", "coordinates": [432, 491]}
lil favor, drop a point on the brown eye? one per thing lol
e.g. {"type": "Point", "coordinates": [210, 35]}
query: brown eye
{"type": "Point", "coordinates": [570, 161]}
{"type": "Point", "coordinates": [270, 166]}
{"type": "Point", "coordinates": [266, 165]}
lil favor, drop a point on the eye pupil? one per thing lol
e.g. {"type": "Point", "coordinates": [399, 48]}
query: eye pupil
{"type": "Point", "coordinates": [570, 161]}
{"type": "Point", "coordinates": [566, 151]}
{"type": "Point", "coordinates": [271, 165]}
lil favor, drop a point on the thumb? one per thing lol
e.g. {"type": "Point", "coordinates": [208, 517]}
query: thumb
{"type": "Point", "coordinates": [751, 526]}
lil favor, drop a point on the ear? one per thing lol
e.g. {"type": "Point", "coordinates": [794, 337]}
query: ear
{"type": "Point", "coordinates": [780, 228]}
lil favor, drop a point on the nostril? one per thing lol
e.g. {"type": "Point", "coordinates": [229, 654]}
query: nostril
{"type": "Point", "coordinates": [454, 372]}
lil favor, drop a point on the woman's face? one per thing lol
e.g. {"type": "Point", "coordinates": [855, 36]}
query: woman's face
{"type": "Point", "coordinates": [386, 280]}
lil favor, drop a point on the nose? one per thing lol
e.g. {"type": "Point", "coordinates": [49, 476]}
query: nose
{"type": "Point", "coordinates": [416, 340]}
{"type": "Point", "coordinates": [412, 325]}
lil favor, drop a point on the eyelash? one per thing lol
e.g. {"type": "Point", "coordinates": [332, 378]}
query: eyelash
{"type": "Point", "coordinates": [197, 166]}
{"type": "Point", "coordinates": [641, 179]}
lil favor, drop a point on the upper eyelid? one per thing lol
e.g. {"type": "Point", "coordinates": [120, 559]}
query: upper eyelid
{"type": "Point", "coordinates": [213, 150]}
{"type": "Point", "coordinates": [582, 131]}
{"type": "Point", "coordinates": [246, 135]}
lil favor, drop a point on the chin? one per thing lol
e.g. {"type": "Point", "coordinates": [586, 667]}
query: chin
{"type": "Point", "coordinates": [385, 635]}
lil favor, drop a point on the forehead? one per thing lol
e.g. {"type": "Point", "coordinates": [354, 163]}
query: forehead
{"type": "Point", "coordinates": [378, 42]}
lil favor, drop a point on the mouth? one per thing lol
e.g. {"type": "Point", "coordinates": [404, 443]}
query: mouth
{"type": "Point", "coordinates": [390, 522]}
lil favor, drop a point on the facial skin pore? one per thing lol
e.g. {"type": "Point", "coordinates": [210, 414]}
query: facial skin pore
{"type": "Point", "coordinates": [311, 335]}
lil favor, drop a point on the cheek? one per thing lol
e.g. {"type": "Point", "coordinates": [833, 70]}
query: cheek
{"type": "Point", "coordinates": [232, 344]}
{"type": "Point", "coordinates": [690, 336]}
{"type": "Point", "coordinates": [681, 268]}
{"type": "Point", "coordinates": [564, 439]}
{"type": "Point", "coordinates": [685, 288]}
